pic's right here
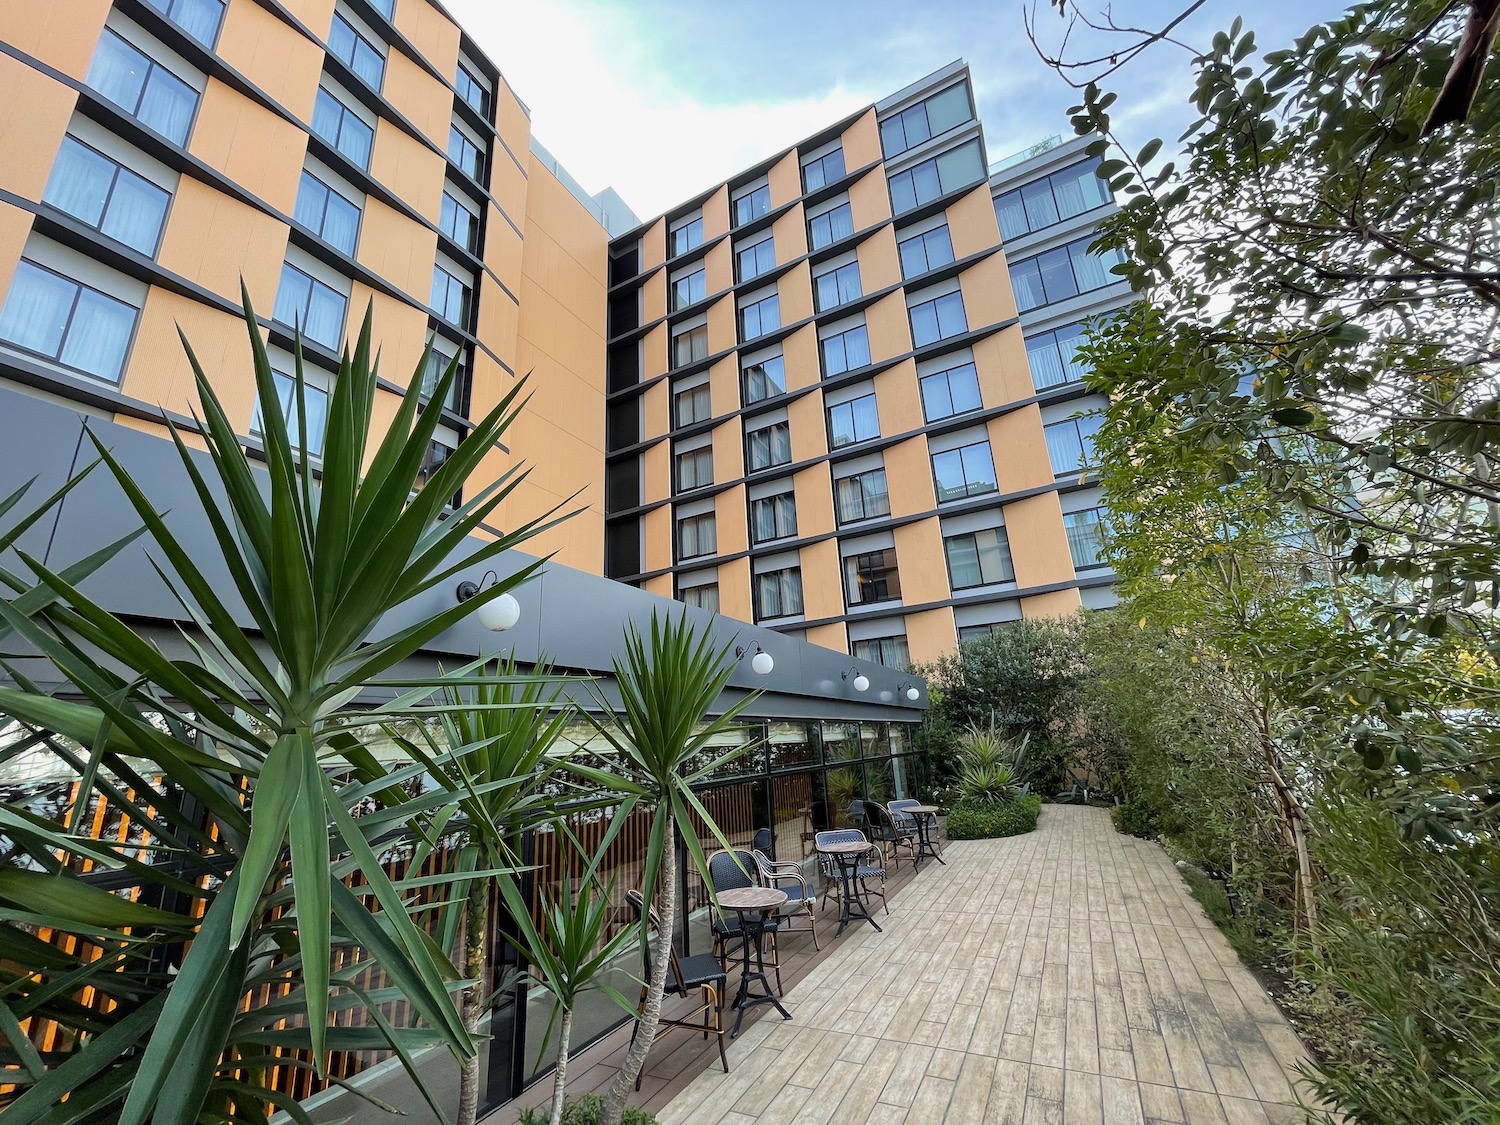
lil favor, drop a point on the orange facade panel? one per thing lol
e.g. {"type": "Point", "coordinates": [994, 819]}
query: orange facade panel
{"type": "Point", "coordinates": [499, 325]}
{"type": "Point", "coordinates": [1038, 544]}
{"type": "Point", "coordinates": [795, 290]}
{"type": "Point", "coordinates": [15, 225]}
{"type": "Point", "coordinates": [398, 248]}
{"type": "Point", "coordinates": [729, 455]}
{"type": "Point", "coordinates": [888, 326]}
{"type": "Point", "coordinates": [919, 549]}
{"type": "Point", "coordinates": [785, 180]}
{"type": "Point", "coordinates": [421, 98]}
{"type": "Point", "coordinates": [822, 590]}
{"type": "Point", "coordinates": [400, 329]}
{"type": "Point", "coordinates": [734, 590]}
{"type": "Point", "coordinates": [879, 262]}
{"type": "Point", "coordinates": [215, 240]}
{"type": "Point", "coordinates": [654, 245]}
{"type": "Point", "coordinates": [316, 14]}
{"type": "Point", "coordinates": [430, 32]}
{"type": "Point", "coordinates": [802, 363]}
{"type": "Point", "coordinates": [833, 635]}
{"type": "Point", "coordinates": [508, 186]}
{"type": "Point", "coordinates": [724, 388]}
{"type": "Point", "coordinates": [718, 265]}
{"type": "Point", "coordinates": [723, 328]}
{"type": "Point", "coordinates": [275, 56]}
{"type": "Point", "coordinates": [60, 35]}
{"type": "Point", "coordinates": [971, 222]}
{"type": "Point", "coordinates": [869, 201]}
{"type": "Point", "coordinates": [159, 372]}
{"type": "Point", "coordinates": [987, 294]}
{"type": "Point", "coordinates": [654, 352]}
{"type": "Point", "coordinates": [1020, 450]}
{"type": "Point", "coordinates": [862, 141]}
{"type": "Point", "coordinates": [908, 476]}
{"type": "Point", "coordinates": [656, 536]}
{"type": "Point", "coordinates": [813, 487]}
{"type": "Point", "coordinates": [733, 527]}
{"type": "Point", "coordinates": [790, 233]}
{"type": "Point", "coordinates": [930, 634]}
{"type": "Point", "coordinates": [513, 124]}
{"type": "Point", "coordinates": [716, 213]}
{"type": "Point", "coordinates": [1056, 603]}
{"type": "Point", "coordinates": [257, 149]}
{"type": "Point", "coordinates": [1004, 372]}
{"type": "Point", "coordinates": [34, 114]}
{"type": "Point", "coordinates": [653, 297]}
{"type": "Point", "coordinates": [898, 398]}
{"type": "Point", "coordinates": [411, 170]}
{"type": "Point", "coordinates": [503, 249]}
{"type": "Point", "coordinates": [655, 411]}
{"type": "Point", "coordinates": [809, 432]}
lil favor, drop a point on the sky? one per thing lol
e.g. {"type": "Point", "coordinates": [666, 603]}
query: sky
{"type": "Point", "coordinates": [661, 99]}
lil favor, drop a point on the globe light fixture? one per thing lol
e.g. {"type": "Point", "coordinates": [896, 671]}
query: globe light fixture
{"type": "Point", "coordinates": [861, 681]}
{"type": "Point", "coordinates": [911, 692]}
{"type": "Point", "coordinates": [497, 614]}
{"type": "Point", "coordinates": [761, 663]}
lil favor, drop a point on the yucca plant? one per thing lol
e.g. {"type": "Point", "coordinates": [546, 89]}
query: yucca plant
{"type": "Point", "coordinates": [660, 745]}
{"type": "Point", "coordinates": [987, 784]}
{"type": "Point", "coordinates": [256, 730]}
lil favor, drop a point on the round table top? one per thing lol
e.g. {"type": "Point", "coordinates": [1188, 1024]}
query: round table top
{"type": "Point", "coordinates": [752, 898]}
{"type": "Point", "coordinates": [920, 808]}
{"type": "Point", "coordinates": [852, 847]}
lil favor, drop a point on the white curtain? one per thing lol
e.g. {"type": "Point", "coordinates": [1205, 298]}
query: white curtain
{"type": "Point", "coordinates": [118, 71]}
{"type": "Point", "coordinates": [168, 105]}
{"type": "Point", "coordinates": [136, 211]}
{"type": "Point", "coordinates": [36, 312]}
{"type": "Point", "coordinates": [99, 335]}
{"type": "Point", "coordinates": [80, 181]}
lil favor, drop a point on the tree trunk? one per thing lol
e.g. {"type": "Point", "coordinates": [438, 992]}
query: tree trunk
{"type": "Point", "coordinates": [560, 1076]}
{"type": "Point", "coordinates": [656, 987]}
{"type": "Point", "coordinates": [476, 921]}
{"type": "Point", "coordinates": [1296, 824]}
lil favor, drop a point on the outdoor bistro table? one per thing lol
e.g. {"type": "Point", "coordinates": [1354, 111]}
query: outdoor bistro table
{"type": "Point", "coordinates": [925, 816]}
{"type": "Point", "coordinates": [756, 907]}
{"type": "Point", "coordinates": [847, 856]}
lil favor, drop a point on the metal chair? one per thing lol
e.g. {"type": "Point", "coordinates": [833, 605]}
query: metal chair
{"type": "Point", "coordinates": [765, 841]}
{"type": "Point", "coordinates": [700, 971]}
{"type": "Point", "coordinates": [862, 874]}
{"type": "Point", "coordinates": [728, 870]}
{"type": "Point", "coordinates": [800, 896]}
{"type": "Point", "coordinates": [883, 827]}
{"type": "Point", "coordinates": [910, 819]}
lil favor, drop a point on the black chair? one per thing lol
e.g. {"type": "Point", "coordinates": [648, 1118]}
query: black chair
{"type": "Point", "coordinates": [765, 841]}
{"type": "Point", "coordinates": [701, 971]}
{"type": "Point", "coordinates": [727, 871]}
{"type": "Point", "coordinates": [871, 868]}
{"type": "Point", "coordinates": [880, 825]}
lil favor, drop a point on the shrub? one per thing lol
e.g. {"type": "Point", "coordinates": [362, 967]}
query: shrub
{"type": "Point", "coordinates": [585, 1111]}
{"type": "Point", "coordinates": [973, 820]}
{"type": "Point", "coordinates": [1135, 818]}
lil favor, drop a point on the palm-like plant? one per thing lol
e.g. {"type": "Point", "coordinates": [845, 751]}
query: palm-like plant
{"type": "Point", "coordinates": [661, 744]}
{"type": "Point", "coordinates": [990, 766]}
{"type": "Point", "coordinates": [256, 734]}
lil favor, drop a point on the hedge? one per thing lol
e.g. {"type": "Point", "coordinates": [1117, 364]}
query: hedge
{"type": "Point", "coordinates": [974, 820]}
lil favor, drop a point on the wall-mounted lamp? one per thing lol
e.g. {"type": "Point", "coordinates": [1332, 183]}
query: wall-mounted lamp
{"type": "Point", "coordinates": [761, 663]}
{"type": "Point", "coordinates": [861, 681]}
{"type": "Point", "coordinates": [497, 614]}
{"type": "Point", "coordinates": [911, 692]}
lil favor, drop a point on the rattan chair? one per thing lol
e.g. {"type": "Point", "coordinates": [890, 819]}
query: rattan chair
{"type": "Point", "coordinates": [702, 972]}
{"type": "Point", "coordinates": [882, 826]}
{"type": "Point", "coordinates": [871, 868]}
{"type": "Point", "coordinates": [800, 896]}
{"type": "Point", "coordinates": [728, 870]}
{"type": "Point", "coordinates": [896, 809]}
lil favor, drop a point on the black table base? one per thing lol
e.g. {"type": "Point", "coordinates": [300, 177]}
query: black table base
{"type": "Point", "coordinates": [753, 925]}
{"type": "Point", "coordinates": [925, 850]}
{"type": "Point", "coordinates": [852, 903]}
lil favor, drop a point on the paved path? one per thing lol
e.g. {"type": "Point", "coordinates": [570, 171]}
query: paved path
{"type": "Point", "coordinates": [1065, 976]}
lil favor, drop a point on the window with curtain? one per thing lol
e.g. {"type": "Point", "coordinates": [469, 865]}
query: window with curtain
{"type": "Point", "coordinates": [931, 117]}
{"type": "Point", "coordinates": [890, 652]}
{"type": "Point", "coordinates": [386, 8]}
{"type": "Point", "coordinates": [356, 52]}
{"type": "Point", "coordinates": [63, 320]}
{"type": "Point", "coordinates": [938, 319]}
{"type": "Point", "coordinates": [1054, 357]}
{"type": "Point", "coordinates": [438, 452]}
{"type": "Point", "coordinates": [836, 287]}
{"type": "Point", "coordinates": [1070, 443]}
{"type": "Point", "coordinates": [760, 317]}
{"type": "Point", "coordinates": [442, 354]}
{"type": "Point", "coordinates": [342, 128]}
{"type": "Point", "coordinates": [472, 91]}
{"type": "Point", "coordinates": [778, 593]}
{"type": "Point", "coordinates": [689, 290]}
{"type": "Point", "coordinates": [925, 252]}
{"type": "Point", "coordinates": [689, 346]}
{"type": "Point", "coordinates": [979, 558]}
{"type": "Point", "coordinates": [945, 173]}
{"type": "Point", "coordinates": [314, 424]}
{"type": "Point", "coordinates": [696, 536]}
{"type": "Point", "coordinates": [317, 309]}
{"type": "Point", "coordinates": [704, 597]}
{"type": "Point", "coordinates": [852, 422]}
{"type": "Point", "coordinates": [1063, 273]}
{"type": "Point", "coordinates": [143, 88]}
{"type": "Point", "coordinates": [765, 379]}
{"type": "Point", "coordinates": [752, 261]}
{"type": "Point", "coordinates": [823, 171]}
{"type": "Point", "coordinates": [872, 576]}
{"type": "Point", "coordinates": [692, 405]}
{"type": "Point", "coordinates": [829, 227]}
{"type": "Point", "coordinates": [846, 351]}
{"type": "Point", "coordinates": [458, 221]}
{"type": "Point", "coordinates": [695, 469]}
{"type": "Point", "coordinates": [98, 191]}
{"type": "Point", "coordinates": [327, 213]}
{"type": "Point", "coordinates": [968, 471]}
{"type": "Point", "coordinates": [950, 392]}
{"type": "Point", "coordinates": [773, 517]}
{"type": "Point", "coordinates": [768, 447]}
{"type": "Point", "coordinates": [1085, 540]}
{"type": "Point", "coordinates": [450, 297]}
{"type": "Point", "coordinates": [1050, 200]}
{"type": "Point", "coordinates": [465, 153]}
{"type": "Point", "coordinates": [751, 206]}
{"type": "Point", "coordinates": [863, 496]}
{"type": "Point", "coordinates": [200, 19]}
{"type": "Point", "coordinates": [684, 235]}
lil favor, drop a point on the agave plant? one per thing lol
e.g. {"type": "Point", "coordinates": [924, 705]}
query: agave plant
{"type": "Point", "coordinates": [245, 903]}
{"type": "Point", "coordinates": [987, 784]}
{"type": "Point", "coordinates": [990, 766]}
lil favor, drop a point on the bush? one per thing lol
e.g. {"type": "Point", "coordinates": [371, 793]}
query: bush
{"type": "Point", "coordinates": [1135, 818]}
{"type": "Point", "coordinates": [972, 820]}
{"type": "Point", "coordinates": [585, 1111]}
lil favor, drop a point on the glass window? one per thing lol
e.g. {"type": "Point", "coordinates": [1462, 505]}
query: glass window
{"type": "Point", "coordinates": [790, 746]}
{"type": "Point", "coordinates": [888, 651]}
{"type": "Point", "coordinates": [696, 536]}
{"type": "Point", "coordinates": [386, 8]}
{"type": "Point", "coordinates": [704, 597]}
{"type": "Point", "coordinates": [443, 353]}
{"type": "Point", "coordinates": [342, 128]}
{"type": "Point", "coordinates": [778, 593]}
{"type": "Point", "coordinates": [1062, 195]}
{"type": "Point", "coordinates": [863, 496]}
{"type": "Point", "coordinates": [748, 208]}
{"type": "Point", "coordinates": [689, 346]}
{"type": "Point", "coordinates": [146, 90]}
{"type": "Point", "coordinates": [853, 421]}
{"type": "Point", "coordinates": [465, 153]}
{"type": "Point", "coordinates": [472, 91]}
{"type": "Point", "coordinates": [1084, 538]}
{"type": "Point", "coordinates": [761, 317]}
{"type": "Point", "coordinates": [356, 52]}
{"type": "Point", "coordinates": [979, 558]}
{"type": "Point", "coordinates": [316, 399]}
{"type": "Point", "coordinates": [1070, 443]}
{"type": "Point", "coordinates": [752, 261]}
{"type": "Point", "coordinates": [690, 289]}
{"type": "Point", "coordinates": [846, 351]}
{"type": "Point", "coordinates": [1063, 273]}
{"type": "Point", "coordinates": [695, 469]}
{"type": "Point", "coordinates": [943, 174]}
{"type": "Point", "coordinates": [768, 447]}
{"type": "Point", "coordinates": [822, 171]}
{"type": "Point", "coordinates": [947, 109]}
{"type": "Point", "coordinates": [1054, 357]}
{"type": "Point", "coordinates": [459, 222]}
{"type": "Point", "coordinates": [327, 213]}
{"type": "Point", "coordinates": [827, 228]}
{"type": "Point", "coordinates": [73, 324]}
{"type": "Point", "coordinates": [950, 392]}
{"type": "Point", "coordinates": [685, 234]}
{"type": "Point", "coordinates": [107, 196]}
{"type": "Point", "coordinates": [923, 253]}
{"type": "Point", "coordinates": [307, 304]}
{"type": "Point", "coordinates": [438, 452]}
{"type": "Point", "coordinates": [765, 379]}
{"type": "Point", "coordinates": [872, 577]}
{"type": "Point", "coordinates": [836, 287]}
{"type": "Point", "coordinates": [773, 517]}
{"type": "Point", "coordinates": [450, 297]}
{"type": "Point", "coordinates": [199, 18]}
{"type": "Point", "coordinates": [969, 471]}
{"type": "Point", "coordinates": [938, 319]}
{"type": "Point", "coordinates": [692, 405]}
